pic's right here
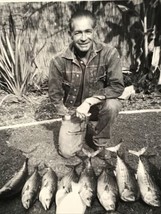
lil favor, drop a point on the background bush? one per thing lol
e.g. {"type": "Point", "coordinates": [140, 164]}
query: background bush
{"type": "Point", "coordinates": [45, 29]}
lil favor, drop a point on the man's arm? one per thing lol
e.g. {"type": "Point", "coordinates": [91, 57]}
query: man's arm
{"type": "Point", "coordinates": [116, 87]}
{"type": "Point", "coordinates": [112, 91]}
{"type": "Point", "coordinates": [56, 92]}
{"type": "Point", "coordinates": [116, 83]}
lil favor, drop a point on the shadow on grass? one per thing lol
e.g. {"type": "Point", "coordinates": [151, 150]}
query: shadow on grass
{"type": "Point", "coordinates": [11, 161]}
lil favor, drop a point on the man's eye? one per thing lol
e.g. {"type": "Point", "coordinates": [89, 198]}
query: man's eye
{"type": "Point", "coordinates": [89, 31]}
{"type": "Point", "coordinates": [77, 33]}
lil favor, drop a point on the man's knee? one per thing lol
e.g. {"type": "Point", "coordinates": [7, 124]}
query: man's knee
{"type": "Point", "coordinates": [112, 106]}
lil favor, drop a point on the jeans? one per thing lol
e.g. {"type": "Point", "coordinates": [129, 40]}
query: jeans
{"type": "Point", "coordinates": [101, 120]}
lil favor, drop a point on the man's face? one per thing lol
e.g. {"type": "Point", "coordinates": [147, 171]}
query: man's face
{"type": "Point", "coordinates": [82, 33]}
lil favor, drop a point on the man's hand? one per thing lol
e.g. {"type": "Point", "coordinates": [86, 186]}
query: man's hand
{"type": "Point", "coordinates": [62, 110]}
{"type": "Point", "coordinates": [82, 111]}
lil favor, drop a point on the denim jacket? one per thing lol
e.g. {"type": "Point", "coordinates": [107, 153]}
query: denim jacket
{"type": "Point", "coordinates": [103, 75]}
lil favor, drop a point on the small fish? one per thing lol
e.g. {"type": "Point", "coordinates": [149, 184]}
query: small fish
{"type": "Point", "coordinates": [64, 185]}
{"type": "Point", "coordinates": [48, 188]}
{"type": "Point", "coordinates": [30, 189]}
{"type": "Point", "coordinates": [107, 189]}
{"type": "Point", "coordinates": [15, 184]}
{"type": "Point", "coordinates": [127, 184]}
{"type": "Point", "coordinates": [72, 202]}
{"type": "Point", "coordinates": [87, 180]}
{"type": "Point", "coordinates": [150, 192]}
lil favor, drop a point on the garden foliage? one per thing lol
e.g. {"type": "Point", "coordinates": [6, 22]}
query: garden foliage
{"type": "Point", "coordinates": [131, 26]}
{"type": "Point", "coordinates": [16, 69]}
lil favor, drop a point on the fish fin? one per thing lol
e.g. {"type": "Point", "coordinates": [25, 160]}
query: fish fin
{"type": "Point", "coordinates": [138, 153]}
{"type": "Point", "coordinates": [72, 166]}
{"type": "Point", "coordinates": [91, 154]}
{"type": "Point", "coordinates": [96, 152]}
{"type": "Point", "coordinates": [8, 188]}
{"type": "Point", "coordinates": [114, 148]}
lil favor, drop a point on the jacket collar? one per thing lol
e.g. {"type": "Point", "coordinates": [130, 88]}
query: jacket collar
{"type": "Point", "coordinates": [69, 53]}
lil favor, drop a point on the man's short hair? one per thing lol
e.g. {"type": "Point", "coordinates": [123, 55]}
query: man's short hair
{"type": "Point", "coordinates": [82, 13]}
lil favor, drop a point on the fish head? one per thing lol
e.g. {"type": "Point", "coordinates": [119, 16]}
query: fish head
{"type": "Point", "coordinates": [110, 203]}
{"type": "Point", "coordinates": [45, 197]}
{"type": "Point", "coordinates": [46, 203]}
{"type": "Point", "coordinates": [152, 198]}
{"type": "Point", "coordinates": [86, 195]}
{"type": "Point", "coordinates": [65, 184]}
{"type": "Point", "coordinates": [128, 195]}
{"type": "Point", "coordinates": [27, 199]}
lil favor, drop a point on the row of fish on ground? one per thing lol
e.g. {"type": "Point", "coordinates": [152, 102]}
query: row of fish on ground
{"type": "Point", "coordinates": [74, 193]}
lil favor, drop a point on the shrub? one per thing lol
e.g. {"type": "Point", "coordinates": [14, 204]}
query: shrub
{"type": "Point", "coordinates": [17, 72]}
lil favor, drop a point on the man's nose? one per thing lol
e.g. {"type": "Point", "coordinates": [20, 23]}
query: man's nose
{"type": "Point", "coordinates": [84, 36]}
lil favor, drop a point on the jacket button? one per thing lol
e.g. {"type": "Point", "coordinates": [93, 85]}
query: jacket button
{"type": "Point", "coordinates": [71, 101]}
{"type": "Point", "coordinates": [77, 75]}
{"type": "Point", "coordinates": [75, 89]}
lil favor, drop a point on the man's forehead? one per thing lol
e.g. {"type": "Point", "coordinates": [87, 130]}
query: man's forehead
{"type": "Point", "coordinates": [82, 22]}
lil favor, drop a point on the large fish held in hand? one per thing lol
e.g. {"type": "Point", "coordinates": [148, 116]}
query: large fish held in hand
{"type": "Point", "coordinates": [65, 185]}
{"type": "Point", "coordinates": [30, 189]}
{"type": "Point", "coordinates": [15, 184]}
{"type": "Point", "coordinates": [150, 192]}
{"type": "Point", "coordinates": [107, 189]}
{"type": "Point", "coordinates": [48, 188]}
{"type": "Point", "coordinates": [127, 184]}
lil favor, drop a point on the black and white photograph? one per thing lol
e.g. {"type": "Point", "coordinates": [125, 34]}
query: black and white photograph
{"type": "Point", "coordinates": [80, 107]}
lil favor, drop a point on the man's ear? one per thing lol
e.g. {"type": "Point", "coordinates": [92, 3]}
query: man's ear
{"type": "Point", "coordinates": [69, 33]}
{"type": "Point", "coordinates": [95, 30]}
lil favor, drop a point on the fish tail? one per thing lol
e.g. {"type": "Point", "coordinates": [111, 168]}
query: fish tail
{"type": "Point", "coordinates": [91, 154]}
{"type": "Point", "coordinates": [138, 153]}
{"type": "Point", "coordinates": [114, 148]}
{"type": "Point", "coordinates": [73, 166]}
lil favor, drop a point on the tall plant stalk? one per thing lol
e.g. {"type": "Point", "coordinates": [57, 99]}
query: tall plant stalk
{"type": "Point", "coordinates": [145, 35]}
{"type": "Point", "coordinates": [16, 70]}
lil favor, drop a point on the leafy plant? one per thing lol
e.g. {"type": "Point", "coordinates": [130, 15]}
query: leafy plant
{"type": "Point", "coordinates": [16, 70]}
{"type": "Point", "coordinates": [145, 49]}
